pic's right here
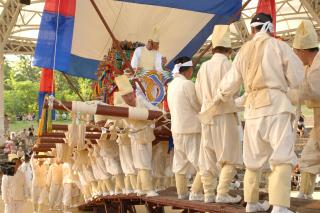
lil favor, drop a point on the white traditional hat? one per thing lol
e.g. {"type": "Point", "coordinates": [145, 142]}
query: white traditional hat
{"type": "Point", "coordinates": [123, 84]}
{"type": "Point", "coordinates": [221, 36]}
{"type": "Point", "coordinates": [155, 36]}
{"type": "Point", "coordinates": [306, 36]}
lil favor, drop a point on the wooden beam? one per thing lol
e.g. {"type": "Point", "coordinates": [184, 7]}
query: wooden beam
{"type": "Point", "coordinates": [107, 110]}
{"type": "Point", "coordinates": [46, 140]}
{"type": "Point", "coordinates": [43, 156]}
{"type": "Point", "coordinates": [61, 127]}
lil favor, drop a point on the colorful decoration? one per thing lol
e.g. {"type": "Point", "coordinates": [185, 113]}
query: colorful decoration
{"type": "Point", "coordinates": [112, 66]}
{"type": "Point", "coordinates": [154, 86]}
{"type": "Point", "coordinates": [45, 120]}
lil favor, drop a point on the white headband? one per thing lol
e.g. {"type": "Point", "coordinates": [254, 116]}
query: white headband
{"type": "Point", "coordinates": [178, 66]}
{"type": "Point", "coordinates": [266, 27]}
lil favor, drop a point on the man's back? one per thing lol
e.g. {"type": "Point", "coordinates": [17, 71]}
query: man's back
{"type": "Point", "coordinates": [183, 105]}
{"type": "Point", "coordinates": [210, 75]}
{"type": "Point", "coordinates": [278, 69]}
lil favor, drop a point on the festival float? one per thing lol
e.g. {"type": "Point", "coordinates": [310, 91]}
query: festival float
{"type": "Point", "coordinates": [96, 40]}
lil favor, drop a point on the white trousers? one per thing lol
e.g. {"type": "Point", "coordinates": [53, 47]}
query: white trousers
{"type": "Point", "coordinates": [142, 155]}
{"type": "Point", "coordinates": [220, 143]}
{"type": "Point", "coordinates": [14, 207]}
{"type": "Point", "coordinates": [159, 159]}
{"type": "Point", "coordinates": [67, 194]}
{"type": "Point", "coordinates": [55, 195]}
{"type": "Point", "coordinates": [269, 139]}
{"type": "Point", "coordinates": [113, 165]}
{"type": "Point", "coordinates": [186, 152]}
{"type": "Point", "coordinates": [39, 194]}
{"type": "Point", "coordinates": [126, 159]}
{"type": "Point", "coordinates": [310, 156]}
{"type": "Point", "coordinates": [168, 163]}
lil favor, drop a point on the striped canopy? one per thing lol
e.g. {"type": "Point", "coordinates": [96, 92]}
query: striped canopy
{"type": "Point", "coordinates": [72, 38]}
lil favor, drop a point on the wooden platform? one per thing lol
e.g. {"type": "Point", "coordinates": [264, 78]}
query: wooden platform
{"type": "Point", "coordinates": [123, 203]}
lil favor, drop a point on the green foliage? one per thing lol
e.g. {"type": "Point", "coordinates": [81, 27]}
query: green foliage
{"type": "Point", "coordinates": [22, 86]}
{"type": "Point", "coordinates": [22, 99]}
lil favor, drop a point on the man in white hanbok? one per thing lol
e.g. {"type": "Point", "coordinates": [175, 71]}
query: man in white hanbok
{"type": "Point", "coordinates": [141, 135]}
{"type": "Point", "coordinates": [14, 189]}
{"type": "Point", "coordinates": [267, 67]}
{"type": "Point", "coordinates": [185, 127]}
{"type": "Point", "coordinates": [220, 141]}
{"type": "Point", "coordinates": [306, 46]}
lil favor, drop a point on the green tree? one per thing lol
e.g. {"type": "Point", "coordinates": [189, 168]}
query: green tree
{"type": "Point", "coordinates": [22, 87]}
{"type": "Point", "coordinates": [23, 70]}
{"type": "Point", "coordinates": [7, 73]}
{"type": "Point", "coordinates": [22, 99]}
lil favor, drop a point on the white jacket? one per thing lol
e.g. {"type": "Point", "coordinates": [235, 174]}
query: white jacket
{"type": "Point", "coordinates": [184, 106]}
{"type": "Point", "coordinates": [39, 174]}
{"type": "Point", "coordinates": [14, 188]}
{"type": "Point", "coordinates": [208, 80]}
{"type": "Point", "coordinates": [281, 69]}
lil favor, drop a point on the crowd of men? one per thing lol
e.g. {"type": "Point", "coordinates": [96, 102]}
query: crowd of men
{"type": "Point", "coordinates": [205, 128]}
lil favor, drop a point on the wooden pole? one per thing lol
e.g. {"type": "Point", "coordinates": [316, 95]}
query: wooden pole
{"type": "Point", "coordinates": [116, 111]}
{"type": "Point", "coordinates": [158, 131]}
{"type": "Point", "coordinates": [232, 19]}
{"type": "Point", "coordinates": [43, 156]}
{"type": "Point", "coordinates": [62, 135]}
{"type": "Point", "coordinates": [63, 127]}
{"type": "Point", "coordinates": [72, 86]}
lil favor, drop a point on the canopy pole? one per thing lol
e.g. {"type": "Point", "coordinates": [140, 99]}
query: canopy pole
{"type": "Point", "coordinates": [72, 86]}
{"type": "Point", "coordinates": [232, 19]}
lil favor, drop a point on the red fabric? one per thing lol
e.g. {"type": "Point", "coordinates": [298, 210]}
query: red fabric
{"type": "Point", "coordinates": [166, 105]}
{"type": "Point", "coordinates": [268, 7]}
{"type": "Point", "coordinates": [46, 81]}
{"type": "Point", "coordinates": [67, 7]}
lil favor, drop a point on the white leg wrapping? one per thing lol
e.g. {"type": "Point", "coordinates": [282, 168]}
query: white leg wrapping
{"type": "Point", "coordinates": [209, 185]}
{"type": "Point", "coordinates": [181, 184]}
{"type": "Point", "coordinates": [146, 180]}
{"type": "Point", "coordinates": [226, 176]}
{"type": "Point", "coordinates": [280, 185]}
{"type": "Point", "coordinates": [109, 184]}
{"type": "Point", "coordinates": [251, 186]}
{"type": "Point", "coordinates": [197, 184]}
{"type": "Point", "coordinates": [133, 181]}
{"type": "Point", "coordinates": [307, 183]}
{"type": "Point", "coordinates": [119, 185]}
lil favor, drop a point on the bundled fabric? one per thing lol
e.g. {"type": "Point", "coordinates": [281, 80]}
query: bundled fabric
{"type": "Point", "coordinates": [76, 133]}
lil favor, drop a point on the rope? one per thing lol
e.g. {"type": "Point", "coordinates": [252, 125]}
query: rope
{"type": "Point", "coordinates": [55, 44]}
